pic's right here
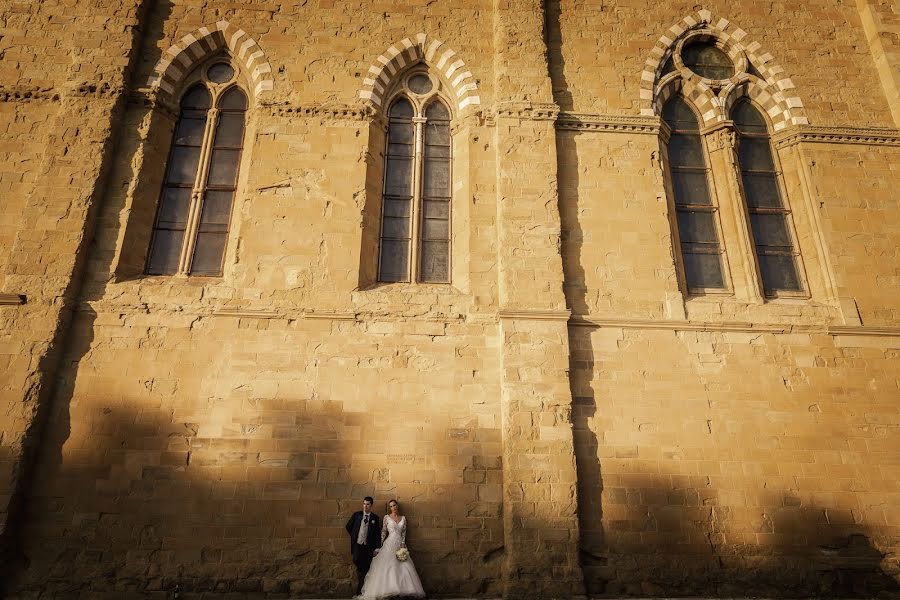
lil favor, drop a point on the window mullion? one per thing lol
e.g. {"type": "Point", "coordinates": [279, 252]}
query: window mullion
{"type": "Point", "coordinates": [414, 250]}
{"type": "Point", "coordinates": [193, 222]}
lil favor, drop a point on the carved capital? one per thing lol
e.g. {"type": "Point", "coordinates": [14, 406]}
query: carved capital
{"type": "Point", "coordinates": [722, 136]}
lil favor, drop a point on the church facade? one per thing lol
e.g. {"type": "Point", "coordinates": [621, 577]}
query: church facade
{"type": "Point", "coordinates": [606, 294]}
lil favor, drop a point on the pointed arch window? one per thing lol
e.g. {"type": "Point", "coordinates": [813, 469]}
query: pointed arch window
{"type": "Point", "coordinates": [415, 218]}
{"type": "Point", "coordinates": [194, 211]}
{"type": "Point", "coordinates": [769, 217]}
{"type": "Point", "coordinates": [695, 211]}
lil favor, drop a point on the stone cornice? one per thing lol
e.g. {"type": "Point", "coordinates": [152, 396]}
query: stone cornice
{"type": "Point", "coordinates": [52, 94]}
{"type": "Point", "coordinates": [535, 315]}
{"type": "Point", "coordinates": [28, 94]}
{"type": "Point", "coordinates": [526, 111]}
{"type": "Point", "coordinates": [608, 123]}
{"type": "Point", "coordinates": [733, 326]}
{"type": "Point", "coordinates": [338, 112]}
{"type": "Point", "coordinates": [12, 299]}
{"type": "Point", "coordinates": [247, 313]}
{"type": "Point", "coordinates": [878, 136]}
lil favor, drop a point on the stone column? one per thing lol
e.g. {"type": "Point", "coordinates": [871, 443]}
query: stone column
{"type": "Point", "coordinates": [539, 498]}
{"type": "Point", "coordinates": [720, 141]}
{"type": "Point", "coordinates": [53, 242]}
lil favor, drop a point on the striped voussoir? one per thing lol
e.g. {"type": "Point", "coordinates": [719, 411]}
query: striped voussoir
{"type": "Point", "coordinates": [772, 91]}
{"type": "Point", "coordinates": [182, 56]}
{"type": "Point", "coordinates": [433, 52]}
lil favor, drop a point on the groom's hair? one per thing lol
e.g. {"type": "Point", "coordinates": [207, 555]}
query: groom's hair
{"type": "Point", "coordinates": [369, 499]}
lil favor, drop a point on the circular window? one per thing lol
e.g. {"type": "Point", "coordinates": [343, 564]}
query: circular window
{"type": "Point", "coordinates": [220, 73]}
{"type": "Point", "coordinates": [706, 60]}
{"type": "Point", "coordinates": [419, 84]}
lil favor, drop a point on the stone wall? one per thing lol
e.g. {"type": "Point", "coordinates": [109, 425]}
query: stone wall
{"type": "Point", "coordinates": [563, 419]}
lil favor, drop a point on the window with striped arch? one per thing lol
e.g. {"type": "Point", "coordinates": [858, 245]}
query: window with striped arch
{"type": "Point", "coordinates": [414, 243]}
{"type": "Point", "coordinates": [194, 211]}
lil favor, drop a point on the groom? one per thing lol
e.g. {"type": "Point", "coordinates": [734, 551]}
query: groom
{"type": "Point", "coordinates": [364, 528]}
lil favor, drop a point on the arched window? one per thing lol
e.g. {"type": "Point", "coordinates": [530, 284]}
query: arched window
{"type": "Point", "coordinates": [194, 211]}
{"type": "Point", "coordinates": [694, 208]}
{"type": "Point", "coordinates": [769, 218]}
{"type": "Point", "coordinates": [415, 215]}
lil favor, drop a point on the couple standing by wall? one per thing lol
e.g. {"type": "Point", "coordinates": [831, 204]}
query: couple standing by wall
{"type": "Point", "coordinates": [378, 547]}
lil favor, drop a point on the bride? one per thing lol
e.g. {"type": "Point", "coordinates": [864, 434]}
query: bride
{"type": "Point", "coordinates": [388, 576]}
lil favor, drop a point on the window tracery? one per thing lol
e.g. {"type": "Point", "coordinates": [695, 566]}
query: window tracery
{"type": "Point", "coordinates": [704, 75]}
{"type": "Point", "coordinates": [414, 242]}
{"type": "Point", "coordinates": [194, 210]}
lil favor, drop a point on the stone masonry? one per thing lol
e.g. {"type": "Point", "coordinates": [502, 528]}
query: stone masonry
{"type": "Point", "coordinates": [562, 420]}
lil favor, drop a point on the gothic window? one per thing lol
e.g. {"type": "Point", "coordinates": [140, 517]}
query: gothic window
{"type": "Point", "coordinates": [769, 218]}
{"type": "Point", "coordinates": [695, 211]}
{"type": "Point", "coordinates": [415, 217]}
{"type": "Point", "coordinates": [194, 212]}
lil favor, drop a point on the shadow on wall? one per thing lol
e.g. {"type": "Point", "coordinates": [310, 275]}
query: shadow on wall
{"type": "Point", "coordinates": [137, 495]}
{"type": "Point", "coordinates": [669, 534]}
{"type": "Point", "coordinates": [43, 384]}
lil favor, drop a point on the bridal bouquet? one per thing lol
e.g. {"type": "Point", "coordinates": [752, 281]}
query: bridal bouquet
{"type": "Point", "coordinates": [402, 554]}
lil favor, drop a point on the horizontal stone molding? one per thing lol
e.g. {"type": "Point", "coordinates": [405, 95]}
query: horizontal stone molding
{"type": "Point", "coordinates": [608, 123]}
{"type": "Point", "coordinates": [28, 94]}
{"type": "Point", "coordinates": [246, 313]}
{"type": "Point", "coordinates": [526, 111]}
{"type": "Point", "coordinates": [242, 313]}
{"type": "Point", "coordinates": [866, 136]}
{"type": "Point", "coordinates": [338, 112]}
{"type": "Point", "coordinates": [53, 94]}
{"type": "Point", "coordinates": [12, 299]}
{"type": "Point", "coordinates": [535, 315]}
{"type": "Point", "coordinates": [332, 316]}
{"type": "Point", "coordinates": [726, 326]}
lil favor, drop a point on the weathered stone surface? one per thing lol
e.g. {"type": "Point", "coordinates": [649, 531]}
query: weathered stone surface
{"type": "Point", "coordinates": [561, 420]}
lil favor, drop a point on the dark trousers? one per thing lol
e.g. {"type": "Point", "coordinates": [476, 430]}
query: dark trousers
{"type": "Point", "coordinates": [362, 558]}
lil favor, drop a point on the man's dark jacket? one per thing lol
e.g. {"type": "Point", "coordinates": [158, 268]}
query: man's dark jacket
{"type": "Point", "coordinates": [373, 538]}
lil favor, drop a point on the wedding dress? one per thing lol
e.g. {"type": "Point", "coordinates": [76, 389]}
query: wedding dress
{"type": "Point", "coordinates": [389, 577]}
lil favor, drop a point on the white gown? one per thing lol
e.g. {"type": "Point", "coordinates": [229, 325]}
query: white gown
{"type": "Point", "coordinates": [388, 577]}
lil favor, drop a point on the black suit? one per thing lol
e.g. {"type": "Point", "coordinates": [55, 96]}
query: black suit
{"type": "Point", "coordinates": [362, 553]}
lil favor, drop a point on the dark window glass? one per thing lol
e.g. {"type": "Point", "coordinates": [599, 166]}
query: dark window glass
{"type": "Point", "coordinates": [695, 212]}
{"type": "Point", "coordinates": [748, 119]}
{"type": "Point", "coordinates": [220, 72]}
{"type": "Point", "coordinates": [704, 270]}
{"type": "Point", "coordinates": [181, 174]}
{"type": "Point", "coordinates": [233, 99]}
{"type": "Point", "coordinates": [678, 115]}
{"type": "Point", "coordinates": [420, 84]}
{"type": "Point", "coordinates": [435, 241]}
{"type": "Point", "coordinates": [706, 60]}
{"type": "Point", "coordinates": [435, 261]}
{"type": "Point", "coordinates": [756, 154]}
{"type": "Point", "coordinates": [196, 98]}
{"type": "Point", "coordinates": [221, 184]}
{"type": "Point", "coordinates": [697, 228]}
{"type": "Point", "coordinates": [393, 264]}
{"type": "Point", "coordinates": [691, 187]}
{"type": "Point", "coordinates": [769, 219]}
{"type": "Point", "coordinates": [779, 271]}
{"type": "Point", "coordinates": [184, 172]}
{"type": "Point", "coordinates": [171, 222]}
